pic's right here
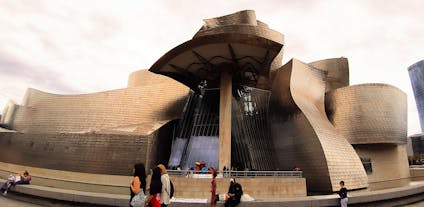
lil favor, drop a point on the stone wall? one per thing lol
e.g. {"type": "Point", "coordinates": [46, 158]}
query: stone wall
{"type": "Point", "coordinates": [417, 174]}
{"type": "Point", "coordinates": [389, 162]}
{"type": "Point", "coordinates": [258, 188]}
{"type": "Point", "coordinates": [369, 113]}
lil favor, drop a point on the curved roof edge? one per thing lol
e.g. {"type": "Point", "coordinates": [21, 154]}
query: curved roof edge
{"type": "Point", "coordinates": [363, 85]}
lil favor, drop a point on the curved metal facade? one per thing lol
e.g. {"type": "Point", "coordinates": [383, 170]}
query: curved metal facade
{"type": "Point", "coordinates": [416, 74]}
{"type": "Point", "coordinates": [337, 72]}
{"type": "Point", "coordinates": [237, 43]}
{"type": "Point", "coordinates": [369, 113]}
{"type": "Point", "coordinates": [302, 134]}
{"type": "Point", "coordinates": [138, 110]}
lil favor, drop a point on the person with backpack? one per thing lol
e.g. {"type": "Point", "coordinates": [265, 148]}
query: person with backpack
{"type": "Point", "coordinates": [166, 194]}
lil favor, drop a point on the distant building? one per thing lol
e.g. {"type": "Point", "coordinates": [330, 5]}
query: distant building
{"type": "Point", "coordinates": [417, 144]}
{"type": "Point", "coordinates": [416, 74]}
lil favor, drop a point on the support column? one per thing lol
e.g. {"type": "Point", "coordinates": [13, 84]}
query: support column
{"type": "Point", "coordinates": [225, 120]}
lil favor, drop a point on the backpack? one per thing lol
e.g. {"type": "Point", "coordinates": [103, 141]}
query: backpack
{"type": "Point", "coordinates": [171, 194]}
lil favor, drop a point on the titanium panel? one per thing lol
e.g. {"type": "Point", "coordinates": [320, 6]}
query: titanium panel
{"type": "Point", "coordinates": [337, 72]}
{"type": "Point", "coordinates": [369, 113]}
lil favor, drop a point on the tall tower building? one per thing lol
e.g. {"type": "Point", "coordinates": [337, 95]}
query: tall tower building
{"type": "Point", "coordinates": [416, 74]}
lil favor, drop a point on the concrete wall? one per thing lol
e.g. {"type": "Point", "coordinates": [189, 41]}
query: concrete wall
{"type": "Point", "coordinates": [302, 134]}
{"type": "Point", "coordinates": [389, 162]}
{"type": "Point", "coordinates": [139, 110]}
{"type": "Point", "coordinates": [369, 113]}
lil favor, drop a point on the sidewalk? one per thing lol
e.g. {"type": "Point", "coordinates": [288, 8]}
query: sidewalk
{"type": "Point", "coordinates": [7, 202]}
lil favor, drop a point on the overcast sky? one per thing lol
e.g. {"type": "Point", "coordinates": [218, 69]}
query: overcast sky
{"type": "Point", "coordinates": [71, 47]}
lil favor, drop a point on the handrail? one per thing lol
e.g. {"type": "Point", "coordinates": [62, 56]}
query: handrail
{"type": "Point", "coordinates": [197, 173]}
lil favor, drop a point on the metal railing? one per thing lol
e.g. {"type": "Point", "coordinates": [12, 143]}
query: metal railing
{"type": "Point", "coordinates": [249, 174]}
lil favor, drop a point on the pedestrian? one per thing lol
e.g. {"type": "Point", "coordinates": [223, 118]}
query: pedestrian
{"type": "Point", "coordinates": [235, 191]}
{"type": "Point", "coordinates": [343, 194]}
{"type": "Point", "coordinates": [19, 179]}
{"type": "Point", "coordinates": [165, 196]}
{"type": "Point", "coordinates": [138, 183]}
{"type": "Point", "coordinates": [213, 186]}
{"type": "Point", "coordinates": [153, 200]}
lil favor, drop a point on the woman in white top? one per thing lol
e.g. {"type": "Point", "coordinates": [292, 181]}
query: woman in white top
{"type": "Point", "coordinates": [165, 197]}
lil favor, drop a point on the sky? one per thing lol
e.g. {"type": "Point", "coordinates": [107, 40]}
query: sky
{"type": "Point", "coordinates": [85, 46]}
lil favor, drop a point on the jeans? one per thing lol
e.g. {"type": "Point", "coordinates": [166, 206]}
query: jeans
{"type": "Point", "coordinates": [343, 202]}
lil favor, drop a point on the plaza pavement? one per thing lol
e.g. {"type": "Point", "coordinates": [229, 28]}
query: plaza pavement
{"type": "Point", "coordinates": [7, 202]}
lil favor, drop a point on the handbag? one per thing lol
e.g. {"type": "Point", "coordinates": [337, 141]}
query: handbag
{"type": "Point", "coordinates": [138, 200]}
{"type": "Point", "coordinates": [216, 198]}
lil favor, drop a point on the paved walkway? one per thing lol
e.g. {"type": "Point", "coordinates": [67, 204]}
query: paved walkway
{"type": "Point", "coordinates": [7, 202]}
{"type": "Point", "coordinates": [419, 204]}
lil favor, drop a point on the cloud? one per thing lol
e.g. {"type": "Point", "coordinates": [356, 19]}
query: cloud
{"type": "Point", "coordinates": [12, 68]}
{"type": "Point", "coordinates": [89, 46]}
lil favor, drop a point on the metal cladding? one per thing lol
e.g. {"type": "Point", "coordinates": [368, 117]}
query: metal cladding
{"type": "Point", "coordinates": [302, 134]}
{"type": "Point", "coordinates": [237, 43]}
{"type": "Point", "coordinates": [379, 111]}
{"type": "Point", "coordinates": [337, 72]}
{"type": "Point", "coordinates": [76, 132]}
{"type": "Point", "coordinates": [416, 74]}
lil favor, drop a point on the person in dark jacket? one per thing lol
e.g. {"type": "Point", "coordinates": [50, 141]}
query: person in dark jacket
{"type": "Point", "coordinates": [235, 191]}
{"type": "Point", "coordinates": [343, 194]}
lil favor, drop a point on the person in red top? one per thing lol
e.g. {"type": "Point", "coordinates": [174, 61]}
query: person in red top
{"type": "Point", "coordinates": [213, 186]}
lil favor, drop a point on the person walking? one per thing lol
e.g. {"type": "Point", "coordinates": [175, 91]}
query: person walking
{"type": "Point", "coordinates": [139, 180]}
{"type": "Point", "coordinates": [165, 195]}
{"type": "Point", "coordinates": [213, 186]}
{"type": "Point", "coordinates": [343, 194]}
{"type": "Point", "coordinates": [153, 200]}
